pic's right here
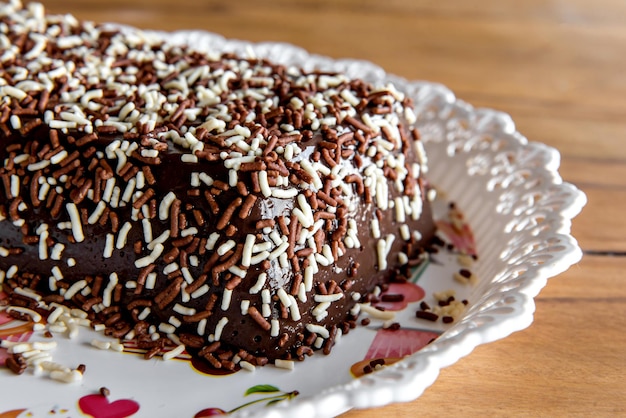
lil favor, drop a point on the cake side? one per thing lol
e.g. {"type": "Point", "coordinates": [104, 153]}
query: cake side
{"type": "Point", "coordinates": [223, 203]}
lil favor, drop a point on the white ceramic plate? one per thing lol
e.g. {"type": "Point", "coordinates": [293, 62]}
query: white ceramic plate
{"type": "Point", "coordinates": [515, 203]}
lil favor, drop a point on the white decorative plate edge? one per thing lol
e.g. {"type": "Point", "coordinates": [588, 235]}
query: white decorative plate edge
{"type": "Point", "coordinates": [515, 196]}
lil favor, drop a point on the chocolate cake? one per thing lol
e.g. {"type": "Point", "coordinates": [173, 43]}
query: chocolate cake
{"type": "Point", "coordinates": [228, 204]}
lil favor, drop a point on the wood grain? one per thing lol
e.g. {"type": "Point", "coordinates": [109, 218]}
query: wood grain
{"type": "Point", "coordinates": [558, 68]}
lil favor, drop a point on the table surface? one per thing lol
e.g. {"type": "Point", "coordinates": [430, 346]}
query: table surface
{"type": "Point", "coordinates": [557, 66]}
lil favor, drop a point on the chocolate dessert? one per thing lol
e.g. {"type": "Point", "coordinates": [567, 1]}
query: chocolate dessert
{"type": "Point", "coordinates": [237, 207]}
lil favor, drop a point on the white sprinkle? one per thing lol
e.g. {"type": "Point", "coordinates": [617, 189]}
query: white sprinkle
{"type": "Point", "coordinates": [147, 230]}
{"type": "Point", "coordinates": [170, 268]}
{"type": "Point", "coordinates": [226, 297]}
{"type": "Point", "coordinates": [116, 346]}
{"type": "Point", "coordinates": [284, 193]}
{"type": "Point", "coordinates": [247, 250]}
{"type": "Point", "coordinates": [244, 305]}
{"type": "Point", "coordinates": [266, 310]}
{"type": "Point", "coordinates": [174, 353]}
{"type": "Point", "coordinates": [43, 192]}
{"type": "Point", "coordinates": [189, 231]}
{"type": "Point", "coordinates": [78, 313]}
{"type": "Point", "coordinates": [183, 310]}
{"type": "Point", "coordinates": [58, 157]}
{"type": "Point", "coordinates": [27, 293]}
{"type": "Point", "coordinates": [187, 275]}
{"type": "Point", "coordinates": [54, 316]}
{"type": "Point", "coordinates": [375, 313]}
{"type": "Point", "coordinates": [56, 272]}
{"type": "Point", "coordinates": [328, 298]}
{"type": "Point", "coordinates": [109, 246]}
{"type": "Point", "coordinates": [102, 345]}
{"type": "Point", "coordinates": [278, 251]}
{"type": "Point", "coordinates": [381, 250]}
{"type": "Point", "coordinates": [200, 291]}
{"type": "Point", "coordinates": [175, 322]}
{"type": "Point", "coordinates": [308, 167]}
{"type": "Point", "coordinates": [318, 329]}
{"type": "Point", "coordinates": [355, 309]}
{"type": "Point", "coordinates": [202, 327]}
{"type": "Point", "coordinates": [274, 331]}
{"type": "Point", "coordinates": [130, 189]}
{"type": "Point", "coordinates": [33, 315]}
{"type": "Point", "coordinates": [264, 184]}
{"type": "Point", "coordinates": [123, 235]}
{"type": "Point", "coordinates": [262, 247]}
{"type": "Point", "coordinates": [164, 207]}
{"type": "Point", "coordinates": [308, 278]}
{"type": "Point", "coordinates": [220, 327]}
{"type": "Point", "coordinates": [151, 281]}
{"type": "Point", "coordinates": [15, 185]}
{"type": "Point", "coordinates": [260, 257]}
{"type": "Point", "coordinates": [306, 210]}
{"type": "Point", "coordinates": [302, 293]}
{"type": "Point", "coordinates": [405, 232]}
{"type": "Point", "coordinates": [13, 92]}
{"type": "Point", "coordinates": [238, 271]}
{"type": "Point", "coordinates": [159, 240]}
{"type": "Point", "coordinates": [108, 290]}
{"type": "Point", "coordinates": [144, 314]}
{"type": "Point", "coordinates": [400, 214]}
{"type": "Point", "coordinates": [167, 328]}
{"type": "Point", "coordinates": [195, 179]}
{"type": "Point", "coordinates": [227, 246]}
{"type": "Point", "coordinates": [75, 288]}
{"type": "Point", "coordinates": [259, 284]}
{"type": "Point", "coordinates": [247, 366]}
{"type": "Point", "coordinates": [108, 190]}
{"type": "Point", "coordinates": [38, 166]}
{"type": "Point", "coordinates": [275, 237]}
{"type": "Point", "coordinates": [284, 364]}
{"type": "Point", "coordinates": [320, 308]}
{"type": "Point", "coordinates": [284, 297]}
{"type": "Point", "coordinates": [302, 218]}
{"type": "Point", "coordinates": [321, 259]}
{"type": "Point", "coordinates": [293, 309]}
{"type": "Point", "coordinates": [72, 376]}
{"type": "Point", "coordinates": [206, 179]}
{"type": "Point", "coordinates": [43, 245]}
{"type": "Point", "coordinates": [321, 316]}
{"type": "Point", "coordinates": [141, 180]}
{"type": "Point", "coordinates": [213, 238]}
{"type": "Point", "coordinates": [328, 253]}
{"type": "Point", "coordinates": [98, 211]}
{"type": "Point", "coordinates": [77, 227]}
{"type": "Point", "coordinates": [11, 272]}
{"type": "Point", "coordinates": [232, 178]}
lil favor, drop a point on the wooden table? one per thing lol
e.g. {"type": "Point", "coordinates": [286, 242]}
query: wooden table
{"type": "Point", "coordinates": [559, 68]}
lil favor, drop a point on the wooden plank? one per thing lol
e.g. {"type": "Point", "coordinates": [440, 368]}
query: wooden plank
{"type": "Point", "coordinates": [595, 278]}
{"type": "Point", "coordinates": [573, 12]}
{"type": "Point", "coordinates": [600, 226]}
